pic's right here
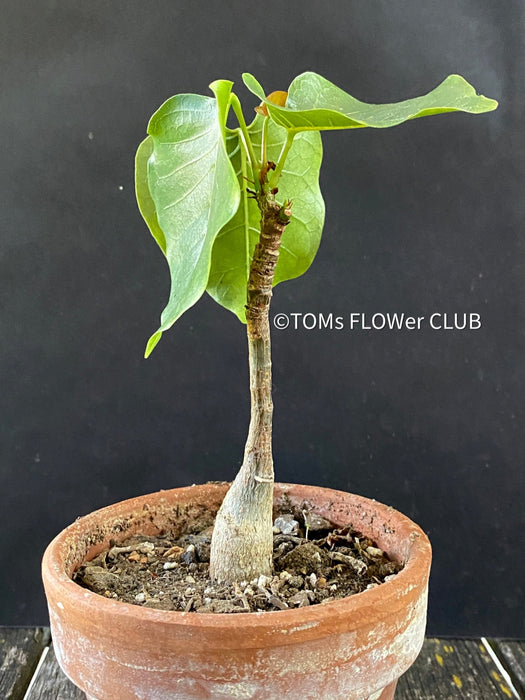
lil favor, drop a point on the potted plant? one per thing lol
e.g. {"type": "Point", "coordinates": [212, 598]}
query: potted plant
{"type": "Point", "coordinates": [236, 211]}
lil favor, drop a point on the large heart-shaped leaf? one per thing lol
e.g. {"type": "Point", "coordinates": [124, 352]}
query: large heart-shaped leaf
{"type": "Point", "coordinates": [234, 245]}
{"type": "Point", "coordinates": [315, 103]}
{"type": "Point", "coordinates": [144, 198]}
{"type": "Point", "coordinates": [193, 188]}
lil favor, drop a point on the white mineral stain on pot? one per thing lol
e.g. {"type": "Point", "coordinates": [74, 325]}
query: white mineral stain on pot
{"type": "Point", "coordinates": [150, 668]}
{"type": "Point", "coordinates": [375, 696]}
{"type": "Point", "coordinates": [300, 628]}
{"type": "Point", "coordinates": [243, 691]}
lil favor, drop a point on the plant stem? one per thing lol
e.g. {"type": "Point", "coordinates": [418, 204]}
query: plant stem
{"type": "Point", "coordinates": [242, 542]}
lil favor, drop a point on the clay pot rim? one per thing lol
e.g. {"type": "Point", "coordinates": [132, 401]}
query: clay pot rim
{"type": "Point", "coordinates": [380, 598]}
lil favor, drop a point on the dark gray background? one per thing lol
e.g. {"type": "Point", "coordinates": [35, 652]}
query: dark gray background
{"type": "Point", "coordinates": [421, 218]}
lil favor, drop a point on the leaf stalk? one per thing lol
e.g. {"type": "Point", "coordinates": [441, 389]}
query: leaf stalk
{"type": "Point", "coordinates": [245, 136]}
{"type": "Point", "coordinates": [264, 139]}
{"type": "Point", "coordinates": [274, 179]}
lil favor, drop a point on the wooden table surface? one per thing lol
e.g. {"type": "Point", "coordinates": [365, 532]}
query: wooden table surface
{"type": "Point", "coordinates": [480, 669]}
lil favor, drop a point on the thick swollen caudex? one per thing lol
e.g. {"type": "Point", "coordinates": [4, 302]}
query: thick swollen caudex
{"type": "Point", "coordinates": [242, 542]}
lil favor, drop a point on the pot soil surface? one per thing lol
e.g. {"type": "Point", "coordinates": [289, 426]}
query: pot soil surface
{"type": "Point", "coordinates": [313, 563]}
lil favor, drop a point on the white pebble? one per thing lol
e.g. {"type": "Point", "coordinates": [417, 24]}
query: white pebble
{"type": "Point", "coordinates": [146, 547]}
{"type": "Point", "coordinates": [140, 597]}
{"type": "Point", "coordinates": [170, 565]}
{"type": "Point", "coordinates": [263, 581]}
{"type": "Point", "coordinates": [286, 524]}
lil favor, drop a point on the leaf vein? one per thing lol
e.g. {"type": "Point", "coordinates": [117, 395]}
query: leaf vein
{"type": "Point", "coordinates": [190, 138]}
{"type": "Point", "coordinates": [188, 192]}
{"type": "Point", "coordinates": [187, 163]}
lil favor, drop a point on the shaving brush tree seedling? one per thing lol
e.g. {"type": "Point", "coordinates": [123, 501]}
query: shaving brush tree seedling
{"type": "Point", "coordinates": [235, 211]}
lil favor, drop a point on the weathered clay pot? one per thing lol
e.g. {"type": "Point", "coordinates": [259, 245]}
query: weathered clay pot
{"type": "Point", "coordinates": [354, 648]}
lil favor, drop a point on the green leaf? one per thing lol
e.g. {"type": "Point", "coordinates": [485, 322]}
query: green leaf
{"type": "Point", "coordinates": [314, 103]}
{"type": "Point", "coordinates": [144, 199]}
{"type": "Point", "coordinates": [254, 85]}
{"type": "Point", "coordinates": [234, 245]}
{"type": "Point", "coordinates": [194, 191]}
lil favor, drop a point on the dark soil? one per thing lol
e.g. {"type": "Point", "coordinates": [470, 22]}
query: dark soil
{"type": "Point", "coordinates": [313, 563]}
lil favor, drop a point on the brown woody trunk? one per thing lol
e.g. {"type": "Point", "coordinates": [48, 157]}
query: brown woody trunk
{"type": "Point", "coordinates": [241, 547]}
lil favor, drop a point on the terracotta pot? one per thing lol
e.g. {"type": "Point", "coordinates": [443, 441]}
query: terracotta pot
{"type": "Point", "coordinates": [354, 648]}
